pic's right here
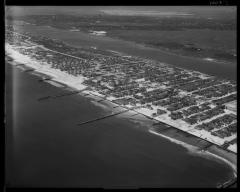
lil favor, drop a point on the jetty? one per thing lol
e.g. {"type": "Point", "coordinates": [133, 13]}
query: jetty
{"type": "Point", "coordinates": [60, 95]}
{"type": "Point", "coordinates": [101, 100]}
{"type": "Point", "coordinates": [44, 79]}
{"type": "Point", "coordinates": [134, 114]}
{"type": "Point", "coordinates": [20, 64]}
{"type": "Point", "coordinates": [225, 145]}
{"type": "Point", "coordinates": [204, 148]}
{"type": "Point", "coordinates": [157, 123]}
{"type": "Point", "coordinates": [104, 117]}
{"type": "Point", "coordinates": [29, 70]}
{"type": "Point", "coordinates": [228, 184]}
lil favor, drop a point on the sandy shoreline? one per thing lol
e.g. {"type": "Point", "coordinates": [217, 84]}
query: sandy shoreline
{"type": "Point", "coordinates": [76, 83]}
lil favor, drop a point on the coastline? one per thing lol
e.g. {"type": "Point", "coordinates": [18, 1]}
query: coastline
{"type": "Point", "coordinates": [70, 81]}
{"type": "Point", "coordinates": [212, 153]}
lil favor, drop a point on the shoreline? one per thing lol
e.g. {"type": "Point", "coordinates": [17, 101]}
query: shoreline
{"type": "Point", "coordinates": [194, 150]}
{"type": "Point", "coordinates": [73, 82]}
{"type": "Point", "coordinates": [63, 78]}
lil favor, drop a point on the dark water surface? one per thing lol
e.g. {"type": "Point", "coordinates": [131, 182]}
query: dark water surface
{"type": "Point", "coordinates": [224, 70]}
{"type": "Point", "coordinates": [45, 148]}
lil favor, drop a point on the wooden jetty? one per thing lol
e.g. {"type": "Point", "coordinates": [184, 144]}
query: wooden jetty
{"type": "Point", "coordinates": [107, 116]}
{"type": "Point", "coordinates": [101, 118]}
{"type": "Point", "coordinates": [61, 95]}
{"type": "Point", "coordinates": [205, 147]}
{"type": "Point", "coordinates": [29, 70]}
{"type": "Point", "coordinates": [134, 114]}
{"type": "Point", "coordinates": [157, 123]}
{"type": "Point", "coordinates": [228, 184]}
{"type": "Point", "coordinates": [19, 64]}
{"type": "Point", "coordinates": [225, 145]}
{"type": "Point", "coordinates": [44, 79]}
{"type": "Point", "coordinates": [101, 100]}
{"type": "Point", "coordinates": [43, 98]}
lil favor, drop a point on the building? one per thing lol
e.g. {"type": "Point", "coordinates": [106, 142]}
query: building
{"type": "Point", "coordinates": [232, 106]}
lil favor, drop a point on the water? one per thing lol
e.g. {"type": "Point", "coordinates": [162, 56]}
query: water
{"type": "Point", "coordinates": [224, 70]}
{"type": "Point", "coordinates": [45, 148]}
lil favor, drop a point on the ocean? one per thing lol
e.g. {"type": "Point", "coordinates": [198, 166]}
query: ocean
{"type": "Point", "coordinates": [46, 148]}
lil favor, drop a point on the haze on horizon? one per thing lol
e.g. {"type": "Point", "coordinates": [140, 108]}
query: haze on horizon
{"type": "Point", "coordinates": [203, 11]}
